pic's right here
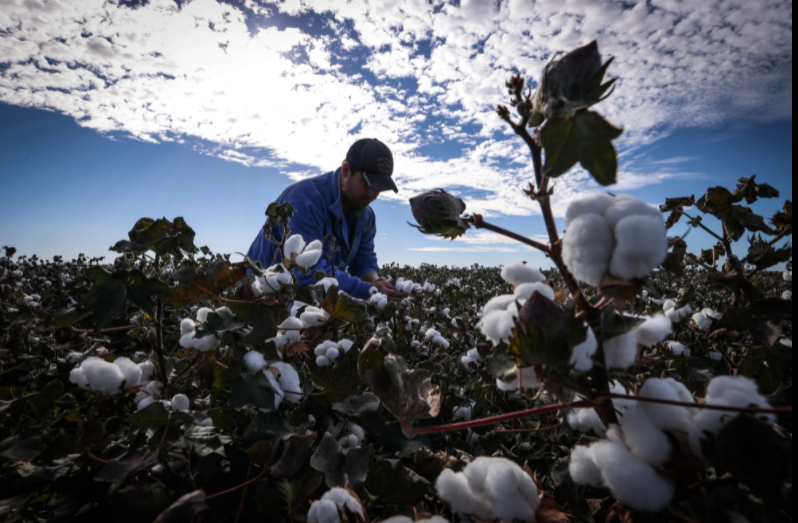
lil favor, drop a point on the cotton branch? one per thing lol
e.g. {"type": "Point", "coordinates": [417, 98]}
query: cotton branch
{"type": "Point", "coordinates": [478, 222]}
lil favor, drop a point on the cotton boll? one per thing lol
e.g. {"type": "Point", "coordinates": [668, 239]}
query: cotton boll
{"type": "Point", "coordinates": [581, 360]}
{"type": "Point", "coordinates": [702, 322]}
{"type": "Point", "coordinates": [594, 204]}
{"type": "Point", "coordinates": [667, 417]}
{"type": "Point", "coordinates": [323, 511]}
{"type": "Point", "coordinates": [586, 420]}
{"type": "Point", "coordinates": [78, 377]}
{"type": "Point", "coordinates": [147, 370]}
{"type": "Point", "coordinates": [583, 469]}
{"type": "Point", "coordinates": [327, 283]}
{"type": "Point", "coordinates": [526, 379]}
{"type": "Point", "coordinates": [624, 206]}
{"type": "Point", "coordinates": [314, 317]}
{"type": "Point", "coordinates": [131, 371]}
{"type": "Point", "coordinates": [587, 248]}
{"type": "Point", "coordinates": [668, 305]}
{"type": "Point", "coordinates": [73, 357]}
{"type": "Point", "coordinates": [463, 413]}
{"type": "Point", "coordinates": [678, 349]}
{"type": "Point", "coordinates": [621, 352]}
{"type": "Point", "coordinates": [788, 276]}
{"type": "Point", "coordinates": [644, 439]}
{"type": "Point", "coordinates": [720, 386]}
{"type": "Point", "coordinates": [293, 246]}
{"type": "Point", "coordinates": [346, 345]}
{"type": "Point", "coordinates": [180, 402]}
{"type": "Point", "coordinates": [518, 273]}
{"type": "Point", "coordinates": [631, 481]}
{"type": "Point", "coordinates": [187, 326]}
{"type": "Point", "coordinates": [472, 356]}
{"type": "Point", "coordinates": [440, 341]}
{"type": "Point", "coordinates": [100, 376]}
{"type": "Point", "coordinates": [202, 314]}
{"type": "Point", "coordinates": [654, 330]}
{"type": "Point", "coordinates": [333, 354]}
{"type": "Point", "coordinates": [254, 361]}
{"type": "Point", "coordinates": [787, 295]}
{"type": "Point", "coordinates": [339, 498]}
{"type": "Point", "coordinates": [491, 489]}
{"type": "Point", "coordinates": [323, 361]}
{"type": "Point", "coordinates": [288, 380]}
{"type": "Point", "coordinates": [709, 313]}
{"type": "Point", "coordinates": [206, 343]}
{"type": "Point", "coordinates": [526, 290]}
{"type": "Point", "coordinates": [308, 258]}
{"type": "Point", "coordinates": [641, 246]}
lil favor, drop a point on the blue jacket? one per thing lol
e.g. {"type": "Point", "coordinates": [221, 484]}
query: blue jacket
{"type": "Point", "coordinates": [319, 212]}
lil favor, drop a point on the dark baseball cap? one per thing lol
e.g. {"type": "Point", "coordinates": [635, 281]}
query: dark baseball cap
{"type": "Point", "coordinates": [374, 160]}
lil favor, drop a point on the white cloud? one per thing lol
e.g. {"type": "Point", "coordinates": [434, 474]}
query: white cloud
{"type": "Point", "coordinates": [289, 99]}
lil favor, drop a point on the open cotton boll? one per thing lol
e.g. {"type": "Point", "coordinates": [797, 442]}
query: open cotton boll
{"type": "Point", "coordinates": [518, 273]}
{"type": "Point", "coordinates": [441, 342]}
{"type": "Point", "coordinates": [472, 356]}
{"type": "Point", "coordinates": [526, 290]}
{"type": "Point", "coordinates": [379, 300]}
{"type": "Point", "coordinates": [288, 380]}
{"type": "Point", "coordinates": [187, 326]}
{"type": "Point", "coordinates": [73, 357]}
{"type": "Point", "coordinates": [654, 330]}
{"type": "Point", "coordinates": [678, 349]}
{"type": "Point", "coordinates": [147, 371]}
{"type": "Point", "coordinates": [668, 305]}
{"type": "Point", "coordinates": [326, 509]}
{"type": "Point", "coordinates": [667, 417]}
{"type": "Point", "coordinates": [594, 204]}
{"type": "Point", "coordinates": [145, 402]}
{"type": "Point", "coordinates": [254, 361]}
{"type": "Point", "coordinates": [587, 248]}
{"type": "Point", "coordinates": [583, 469]}
{"type": "Point", "coordinates": [131, 371]}
{"type": "Point", "coordinates": [710, 313]}
{"type": "Point", "coordinates": [309, 258]}
{"type": "Point", "coordinates": [293, 246]}
{"type": "Point", "coordinates": [631, 481]}
{"type": "Point", "coordinates": [346, 345]}
{"type": "Point", "coordinates": [154, 389]}
{"type": "Point", "coordinates": [587, 420]}
{"type": "Point", "coordinates": [202, 314]}
{"type": "Point", "coordinates": [491, 489]}
{"type": "Point", "coordinates": [788, 276]}
{"type": "Point", "coordinates": [525, 379]}
{"type": "Point", "coordinates": [464, 412]}
{"type": "Point", "coordinates": [624, 206]}
{"type": "Point", "coordinates": [180, 402]}
{"type": "Point", "coordinates": [333, 354]}
{"type": "Point", "coordinates": [677, 315]}
{"type": "Point", "coordinates": [644, 439]}
{"type": "Point", "coordinates": [98, 375]}
{"type": "Point", "coordinates": [323, 361]}
{"type": "Point", "coordinates": [787, 295]}
{"type": "Point", "coordinates": [582, 357]}
{"type": "Point", "coordinates": [641, 245]}
{"type": "Point", "coordinates": [722, 385]}
{"type": "Point", "coordinates": [702, 322]}
{"type": "Point", "coordinates": [621, 352]}
{"type": "Point", "coordinates": [329, 282]}
{"type": "Point", "coordinates": [314, 317]}
{"type": "Point", "coordinates": [291, 328]}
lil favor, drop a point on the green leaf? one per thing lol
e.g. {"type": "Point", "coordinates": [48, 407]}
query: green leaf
{"type": "Point", "coordinates": [160, 236]}
{"type": "Point", "coordinates": [264, 426]}
{"type": "Point", "coordinates": [260, 453]}
{"type": "Point", "coordinates": [716, 201]}
{"type": "Point", "coordinates": [119, 470]}
{"type": "Point", "coordinates": [542, 335]}
{"type": "Point", "coordinates": [26, 450]}
{"type": "Point", "coordinates": [585, 138]}
{"type": "Point", "coordinates": [150, 416]}
{"type": "Point", "coordinates": [751, 191]}
{"type": "Point", "coordinates": [187, 508]}
{"type": "Point", "coordinates": [395, 483]}
{"type": "Point", "coordinates": [252, 390]}
{"type": "Point", "coordinates": [219, 321]}
{"type": "Point", "coordinates": [196, 284]}
{"type": "Point", "coordinates": [615, 324]}
{"type": "Point", "coordinates": [346, 309]}
{"type": "Point", "coordinates": [329, 459]}
{"type": "Point", "coordinates": [294, 456]}
{"type": "Point", "coordinates": [740, 219]}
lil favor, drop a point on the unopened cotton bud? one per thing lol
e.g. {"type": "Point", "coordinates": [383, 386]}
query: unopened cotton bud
{"type": "Point", "coordinates": [438, 212]}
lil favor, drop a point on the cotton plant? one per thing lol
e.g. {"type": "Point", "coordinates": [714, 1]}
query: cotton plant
{"type": "Point", "coordinates": [327, 352]}
{"type": "Point", "coordinates": [273, 280]}
{"type": "Point", "coordinates": [314, 317]}
{"type": "Point", "coordinates": [499, 314]}
{"type": "Point", "coordinates": [283, 378]}
{"type": "Point", "coordinates": [490, 489]}
{"type": "Point", "coordinates": [436, 338]}
{"type": "Point", "coordinates": [349, 435]}
{"type": "Point", "coordinates": [619, 236]}
{"type": "Point", "coordinates": [675, 314]}
{"type": "Point", "coordinates": [471, 357]}
{"type": "Point", "coordinates": [188, 333]}
{"type": "Point", "coordinates": [297, 253]}
{"type": "Point", "coordinates": [289, 333]}
{"type": "Point", "coordinates": [108, 378]}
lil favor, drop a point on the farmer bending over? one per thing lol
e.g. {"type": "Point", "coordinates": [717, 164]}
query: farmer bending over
{"type": "Point", "coordinates": [337, 203]}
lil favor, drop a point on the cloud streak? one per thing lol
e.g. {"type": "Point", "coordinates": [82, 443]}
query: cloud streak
{"type": "Point", "coordinates": [418, 74]}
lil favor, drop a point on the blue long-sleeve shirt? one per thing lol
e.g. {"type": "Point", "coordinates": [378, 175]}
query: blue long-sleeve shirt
{"type": "Point", "coordinates": [318, 212]}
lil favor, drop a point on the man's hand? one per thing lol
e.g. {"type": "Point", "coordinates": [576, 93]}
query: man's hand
{"type": "Point", "coordinates": [389, 290]}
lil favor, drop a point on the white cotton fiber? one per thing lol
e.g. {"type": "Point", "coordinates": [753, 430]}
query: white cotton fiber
{"type": "Point", "coordinates": [654, 330]}
{"type": "Point", "coordinates": [98, 375]}
{"type": "Point", "coordinates": [787, 295]}
{"type": "Point", "coordinates": [491, 489]}
{"type": "Point", "coordinates": [526, 290]}
{"type": "Point", "coordinates": [788, 276]}
{"type": "Point", "coordinates": [463, 413]}
{"type": "Point", "coordinates": [586, 420]}
{"type": "Point", "coordinates": [702, 322]}
{"type": "Point", "coordinates": [293, 246]}
{"type": "Point", "coordinates": [154, 389]}
{"type": "Point", "coordinates": [323, 361]}
{"type": "Point", "coordinates": [594, 204]}
{"type": "Point", "coordinates": [308, 258]}
{"type": "Point", "coordinates": [327, 508]}
{"type": "Point", "coordinates": [641, 245]}
{"type": "Point", "coordinates": [145, 402]}
{"type": "Point", "coordinates": [327, 283]}
{"type": "Point", "coordinates": [679, 349]}
{"type": "Point", "coordinates": [667, 417]}
{"type": "Point", "coordinates": [644, 439]}
{"type": "Point", "coordinates": [621, 352]}
{"type": "Point", "coordinates": [677, 315]}
{"type": "Point", "coordinates": [288, 380]}
{"type": "Point", "coordinates": [668, 305]}
{"type": "Point", "coordinates": [147, 370]}
{"type": "Point", "coordinates": [131, 371]}
{"type": "Point", "coordinates": [202, 314]}
{"type": "Point", "coordinates": [497, 325]}
{"type": "Point", "coordinates": [255, 361]}
{"type": "Point", "coordinates": [314, 317]}
{"type": "Point", "coordinates": [624, 206]}
{"type": "Point", "coordinates": [710, 313]}
{"type": "Point", "coordinates": [583, 469]}
{"type": "Point", "coordinates": [180, 402]}
{"type": "Point", "coordinates": [631, 481]}
{"type": "Point", "coordinates": [323, 511]}
{"type": "Point", "coordinates": [187, 326]}
{"type": "Point", "coordinates": [346, 345]}
{"type": "Point", "coordinates": [472, 356]}
{"type": "Point", "coordinates": [518, 273]}
{"type": "Point", "coordinates": [581, 358]}
{"type": "Point", "coordinates": [587, 248]}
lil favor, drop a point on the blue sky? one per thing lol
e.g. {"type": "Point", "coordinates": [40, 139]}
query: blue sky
{"type": "Point", "coordinates": [210, 110]}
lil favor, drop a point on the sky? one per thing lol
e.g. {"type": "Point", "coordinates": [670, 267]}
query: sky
{"type": "Point", "coordinates": [111, 110]}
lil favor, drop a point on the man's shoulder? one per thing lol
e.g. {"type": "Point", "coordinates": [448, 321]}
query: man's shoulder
{"type": "Point", "coordinates": [311, 190]}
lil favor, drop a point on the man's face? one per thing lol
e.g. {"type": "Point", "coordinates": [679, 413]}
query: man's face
{"type": "Point", "coordinates": [354, 187]}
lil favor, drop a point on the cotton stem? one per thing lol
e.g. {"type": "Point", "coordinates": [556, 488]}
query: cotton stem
{"type": "Point", "coordinates": [480, 223]}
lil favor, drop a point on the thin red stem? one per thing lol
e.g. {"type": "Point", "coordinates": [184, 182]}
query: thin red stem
{"type": "Point", "coordinates": [253, 480]}
{"type": "Point", "coordinates": [480, 223]}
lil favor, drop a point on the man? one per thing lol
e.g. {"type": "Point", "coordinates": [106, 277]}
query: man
{"type": "Point", "coordinates": [337, 203]}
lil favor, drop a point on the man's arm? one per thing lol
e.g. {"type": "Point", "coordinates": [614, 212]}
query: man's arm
{"type": "Point", "coordinates": [365, 266]}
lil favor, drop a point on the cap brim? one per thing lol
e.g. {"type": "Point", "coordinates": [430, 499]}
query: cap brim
{"type": "Point", "coordinates": [380, 182]}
